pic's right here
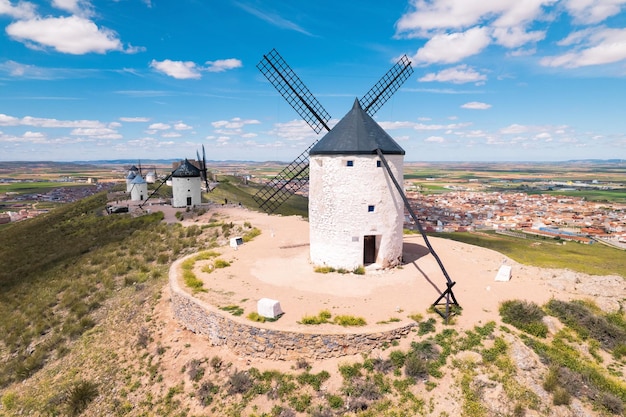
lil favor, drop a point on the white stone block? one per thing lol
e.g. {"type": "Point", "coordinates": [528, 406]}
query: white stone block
{"type": "Point", "coordinates": [504, 273]}
{"type": "Point", "coordinates": [269, 308]}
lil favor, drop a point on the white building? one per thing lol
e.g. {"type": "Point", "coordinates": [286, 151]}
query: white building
{"type": "Point", "coordinates": [139, 189]}
{"type": "Point", "coordinates": [356, 214]}
{"type": "Point", "coordinates": [186, 184]}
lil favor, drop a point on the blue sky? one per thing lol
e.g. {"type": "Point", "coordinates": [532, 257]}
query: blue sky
{"type": "Point", "coordinates": [494, 80]}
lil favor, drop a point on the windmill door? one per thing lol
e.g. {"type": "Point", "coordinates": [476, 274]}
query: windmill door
{"type": "Point", "coordinates": [188, 201]}
{"type": "Point", "coordinates": [369, 249]}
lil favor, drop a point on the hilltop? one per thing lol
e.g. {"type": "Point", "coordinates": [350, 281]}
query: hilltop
{"type": "Point", "coordinates": [88, 330]}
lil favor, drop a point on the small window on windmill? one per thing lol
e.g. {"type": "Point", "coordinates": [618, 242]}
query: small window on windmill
{"type": "Point", "coordinates": [370, 209]}
{"type": "Point", "coordinates": [349, 163]}
{"type": "Point", "coordinates": [379, 164]}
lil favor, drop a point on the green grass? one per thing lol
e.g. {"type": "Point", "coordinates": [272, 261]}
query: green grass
{"type": "Point", "coordinates": [595, 259]}
{"type": "Point", "coordinates": [36, 187]}
{"type": "Point", "coordinates": [232, 189]}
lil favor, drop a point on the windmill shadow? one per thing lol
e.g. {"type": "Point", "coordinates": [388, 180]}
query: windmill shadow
{"type": "Point", "coordinates": [411, 253]}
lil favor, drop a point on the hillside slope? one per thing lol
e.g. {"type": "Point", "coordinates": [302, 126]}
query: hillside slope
{"type": "Point", "coordinates": [87, 330]}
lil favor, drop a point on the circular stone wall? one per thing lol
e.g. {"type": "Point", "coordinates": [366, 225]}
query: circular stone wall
{"type": "Point", "coordinates": [253, 341]}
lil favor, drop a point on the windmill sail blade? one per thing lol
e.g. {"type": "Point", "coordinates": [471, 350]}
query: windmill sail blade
{"type": "Point", "coordinates": [288, 181]}
{"type": "Point", "coordinates": [386, 86]}
{"type": "Point", "coordinates": [204, 170]}
{"type": "Point", "coordinates": [282, 77]}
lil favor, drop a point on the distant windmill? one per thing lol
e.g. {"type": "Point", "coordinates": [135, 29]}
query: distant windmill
{"type": "Point", "coordinates": [355, 216]}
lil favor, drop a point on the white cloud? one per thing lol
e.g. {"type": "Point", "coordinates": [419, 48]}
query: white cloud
{"type": "Point", "coordinates": [23, 9]}
{"type": "Point", "coordinates": [182, 126]}
{"type": "Point", "coordinates": [181, 70]}
{"type": "Point", "coordinates": [72, 35]}
{"type": "Point", "coordinates": [295, 130]}
{"type": "Point", "coordinates": [78, 7]}
{"type": "Point", "coordinates": [514, 129]}
{"type": "Point", "coordinates": [453, 47]}
{"type": "Point", "coordinates": [223, 65]}
{"type": "Point", "coordinates": [476, 105]}
{"type": "Point", "coordinates": [159, 126]}
{"type": "Point", "coordinates": [6, 120]}
{"type": "Point", "coordinates": [436, 139]}
{"type": "Point", "coordinates": [516, 36]}
{"type": "Point", "coordinates": [593, 11]}
{"type": "Point", "coordinates": [457, 75]}
{"type": "Point", "coordinates": [602, 47]}
{"type": "Point", "coordinates": [102, 133]}
{"type": "Point", "coordinates": [135, 119]}
{"type": "Point", "coordinates": [171, 135]}
{"type": "Point", "coordinates": [190, 70]}
{"type": "Point", "coordinates": [234, 123]}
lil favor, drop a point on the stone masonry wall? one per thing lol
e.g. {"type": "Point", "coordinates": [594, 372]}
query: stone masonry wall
{"type": "Point", "coordinates": [252, 341]}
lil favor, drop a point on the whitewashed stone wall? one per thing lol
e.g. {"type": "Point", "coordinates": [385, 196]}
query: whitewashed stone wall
{"type": "Point", "coordinates": [339, 197]}
{"type": "Point", "coordinates": [183, 187]}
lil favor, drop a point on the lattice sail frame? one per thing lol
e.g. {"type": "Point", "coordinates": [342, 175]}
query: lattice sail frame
{"type": "Point", "coordinates": [386, 86]}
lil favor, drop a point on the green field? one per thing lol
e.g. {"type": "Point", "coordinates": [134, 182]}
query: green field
{"type": "Point", "coordinates": [595, 259]}
{"type": "Point", "coordinates": [35, 187]}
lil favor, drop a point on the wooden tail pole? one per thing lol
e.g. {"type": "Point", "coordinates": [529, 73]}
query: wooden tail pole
{"type": "Point", "coordinates": [447, 295]}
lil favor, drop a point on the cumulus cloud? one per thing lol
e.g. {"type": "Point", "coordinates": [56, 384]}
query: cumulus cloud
{"type": "Point", "coordinates": [182, 126]}
{"type": "Point", "coordinates": [78, 7]}
{"type": "Point", "coordinates": [181, 70]}
{"type": "Point", "coordinates": [135, 119]}
{"type": "Point", "coordinates": [22, 10]}
{"type": "Point", "coordinates": [223, 65]}
{"type": "Point", "coordinates": [453, 47]}
{"type": "Point", "coordinates": [476, 105]}
{"type": "Point", "coordinates": [234, 123]}
{"type": "Point", "coordinates": [6, 120]}
{"type": "Point", "coordinates": [457, 75]}
{"type": "Point", "coordinates": [190, 70]}
{"type": "Point", "coordinates": [436, 139]}
{"type": "Point", "coordinates": [593, 11]}
{"type": "Point", "coordinates": [72, 35]}
{"type": "Point", "coordinates": [604, 46]}
{"type": "Point", "coordinates": [159, 126]}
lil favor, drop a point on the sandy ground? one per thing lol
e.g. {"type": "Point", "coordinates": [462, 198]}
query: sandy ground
{"type": "Point", "coordinates": [276, 265]}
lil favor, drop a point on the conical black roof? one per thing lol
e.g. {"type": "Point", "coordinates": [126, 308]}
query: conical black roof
{"type": "Point", "coordinates": [186, 169]}
{"type": "Point", "coordinates": [356, 134]}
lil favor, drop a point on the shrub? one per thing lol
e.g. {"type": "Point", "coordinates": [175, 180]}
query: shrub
{"type": "Point", "coordinates": [359, 270]}
{"type": "Point", "coordinates": [612, 403]}
{"type": "Point", "coordinates": [195, 371]}
{"type": "Point", "coordinates": [220, 263]}
{"type": "Point", "coordinates": [239, 383]}
{"type": "Point", "coordinates": [397, 358]}
{"type": "Point", "coordinates": [348, 371]}
{"type": "Point", "coordinates": [335, 401]}
{"type": "Point", "coordinates": [324, 269]}
{"type": "Point", "coordinates": [235, 310]}
{"type": "Point", "coordinates": [216, 363]}
{"type": "Point", "coordinates": [322, 317]}
{"type": "Point", "coordinates": [415, 367]}
{"type": "Point", "coordinates": [302, 363]}
{"type": "Point", "coordinates": [350, 321]}
{"type": "Point", "coordinates": [560, 396]}
{"type": "Point", "coordinates": [254, 316]}
{"type": "Point", "coordinates": [206, 391]}
{"type": "Point", "coordinates": [79, 396]}
{"type": "Point", "coordinates": [425, 327]}
{"type": "Point", "coordinates": [524, 315]}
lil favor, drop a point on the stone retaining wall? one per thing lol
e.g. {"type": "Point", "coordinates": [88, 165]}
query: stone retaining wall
{"type": "Point", "coordinates": [252, 341]}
